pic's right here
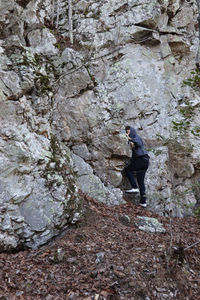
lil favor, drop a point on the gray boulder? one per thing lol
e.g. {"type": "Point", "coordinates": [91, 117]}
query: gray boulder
{"type": "Point", "coordinates": [150, 225]}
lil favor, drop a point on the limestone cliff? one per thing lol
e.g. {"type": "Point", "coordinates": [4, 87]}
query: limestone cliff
{"type": "Point", "coordinates": [63, 108]}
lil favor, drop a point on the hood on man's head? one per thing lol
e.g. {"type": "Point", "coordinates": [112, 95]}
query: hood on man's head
{"type": "Point", "coordinates": [132, 132]}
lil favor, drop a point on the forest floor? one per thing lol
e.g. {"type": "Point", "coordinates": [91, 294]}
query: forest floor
{"type": "Point", "coordinates": [100, 258]}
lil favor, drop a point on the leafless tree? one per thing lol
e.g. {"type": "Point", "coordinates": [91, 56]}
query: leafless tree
{"type": "Point", "coordinates": [52, 11]}
{"type": "Point", "coordinates": [58, 13]}
{"type": "Point", "coordinates": [198, 52]}
{"type": "Point", "coordinates": [70, 21]}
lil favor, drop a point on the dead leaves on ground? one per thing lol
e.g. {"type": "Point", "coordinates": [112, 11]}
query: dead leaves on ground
{"type": "Point", "coordinates": [105, 259]}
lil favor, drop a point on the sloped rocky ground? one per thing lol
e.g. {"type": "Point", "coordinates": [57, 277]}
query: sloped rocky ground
{"type": "Point", "coordinates": [103, 258]}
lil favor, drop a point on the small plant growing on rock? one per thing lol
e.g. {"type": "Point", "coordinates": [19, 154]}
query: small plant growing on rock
{"type": "Point", "coordinates": [194, 81]}
{"type": "Point", "coordinates": [197, 212]}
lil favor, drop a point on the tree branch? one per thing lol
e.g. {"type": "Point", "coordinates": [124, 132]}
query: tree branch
{"type": "Point", "coordinates": [198, 51]}
{"type": "Point", "coordinates": [70, 21]}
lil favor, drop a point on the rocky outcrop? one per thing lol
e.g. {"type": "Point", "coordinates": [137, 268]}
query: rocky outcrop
{"type": "Point", "coordinates": [64, 107]}
{"type": "Point", "coordinates": [150, 225]}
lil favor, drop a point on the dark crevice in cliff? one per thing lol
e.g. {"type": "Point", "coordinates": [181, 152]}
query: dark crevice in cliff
{"type": "Point", "coordinates": [81, 92]}
{"type": "Point", "coordinates": [122, 9]}
{"type": "Point", "coordinates": [23, 3]}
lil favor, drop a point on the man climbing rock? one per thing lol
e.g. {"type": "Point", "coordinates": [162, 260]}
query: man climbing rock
{"type": "Point", "coordinates": [138, 165]}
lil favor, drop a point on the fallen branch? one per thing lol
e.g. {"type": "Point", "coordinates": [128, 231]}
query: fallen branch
{"type": "Point", "coordinates": [192, 245]}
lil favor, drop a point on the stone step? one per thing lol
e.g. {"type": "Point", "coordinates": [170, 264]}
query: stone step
{"type": "Point", "coordinates": [131, 197]}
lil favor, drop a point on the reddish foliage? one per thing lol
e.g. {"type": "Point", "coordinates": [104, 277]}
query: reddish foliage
{"type": "Point", "coordinates": [103, 259]}
{"type": "Point", "coordinates": [62, 41]}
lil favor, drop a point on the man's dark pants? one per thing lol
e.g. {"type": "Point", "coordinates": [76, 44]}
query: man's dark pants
{"type": "Point", "coordinates": [138, 167]}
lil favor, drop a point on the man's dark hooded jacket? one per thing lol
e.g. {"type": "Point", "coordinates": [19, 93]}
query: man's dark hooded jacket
{"type": "Point", "coordinates": [138, 150]}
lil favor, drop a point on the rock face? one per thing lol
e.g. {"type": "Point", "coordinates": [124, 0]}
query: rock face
{"type": "Point", "coordinates": [63, 108]}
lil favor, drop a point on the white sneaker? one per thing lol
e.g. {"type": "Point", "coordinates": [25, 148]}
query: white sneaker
{"type": "Point", "coordinates": [143, 204]}
{"type": "Point", "coordinates": [132, 191]}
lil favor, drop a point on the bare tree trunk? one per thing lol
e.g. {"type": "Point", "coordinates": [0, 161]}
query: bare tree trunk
{"type": "Point", "coordinates": [58, 13]}
{"type": "Point", "coordinates": [52, 11]}
{"type": "Point", "coordinates": [198, 52]}
{"type": "Point", "coordinates": [70, 21]}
